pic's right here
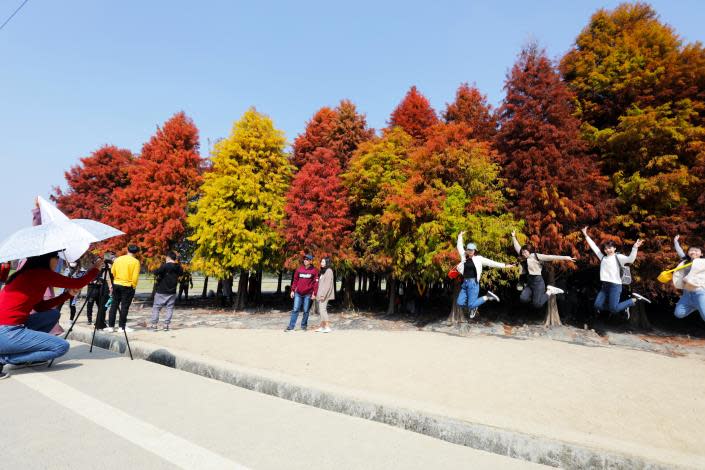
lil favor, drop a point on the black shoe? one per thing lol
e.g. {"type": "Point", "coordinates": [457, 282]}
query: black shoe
{"type": "Point", "coordinates": [3, 375]}
{"type": "Point", "coordinates": [289, 329]}
{"type": "Point", "coordinates": [304, 328]}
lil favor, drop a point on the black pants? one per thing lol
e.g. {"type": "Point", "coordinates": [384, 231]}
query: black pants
{"type": "Point", "coordinates": [534, 292]}
{"type": "Point", "coordinates": [183, 289]}
{"type": "Point", "coordinates": [122, 297]}
{"type": "Point", "coordinates": [92, 297]}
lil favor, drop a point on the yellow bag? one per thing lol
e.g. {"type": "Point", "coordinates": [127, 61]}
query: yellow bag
{"type": "Point", "coordinates": [667, 276]}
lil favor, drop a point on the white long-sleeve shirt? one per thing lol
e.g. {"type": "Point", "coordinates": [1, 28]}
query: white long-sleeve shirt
{"type": "Point", "coordinates": [695, 279]}
{"type": "Point", "coordinates": [679, 275]}
{"type": "Point", "coordinates": [609, 269]}
{"type": "Point", "coordinates": [477, 260]}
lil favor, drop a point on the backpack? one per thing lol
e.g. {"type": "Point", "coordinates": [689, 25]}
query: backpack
{"type": "Point", "coordinates": [624, 272]}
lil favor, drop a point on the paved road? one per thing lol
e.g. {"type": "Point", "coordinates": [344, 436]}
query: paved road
{"type": "Point", "coordinates": [104, 411]}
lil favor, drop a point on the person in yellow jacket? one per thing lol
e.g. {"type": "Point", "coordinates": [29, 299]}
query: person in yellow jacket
{"type": "Point", "coordinates": [126, 274]}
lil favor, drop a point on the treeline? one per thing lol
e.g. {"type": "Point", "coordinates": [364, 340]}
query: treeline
{"type": "Point", "coordinates": [611, 135]}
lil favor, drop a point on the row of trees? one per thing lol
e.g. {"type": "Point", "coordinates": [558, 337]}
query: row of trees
{"type": "Point", "coordinates": [610, 135]}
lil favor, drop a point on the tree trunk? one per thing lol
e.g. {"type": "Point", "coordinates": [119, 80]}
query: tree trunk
{"type": "Point", "coordinates": [279, 282]}
{"type": "Point", "coordinates": [457, 314]}
{"type": "Point", "coordinates": [242, 290]}
{"type": "Point", "coordinates": [638, 318]}
{"type": "Point", "coordinates": [392, 293]}
{"type": "Point", "coordinates": [552, 316]}
{"type": "Point", "coordinates": [348, 287]}
{"type": "Point", "coordinates": [204, 294]}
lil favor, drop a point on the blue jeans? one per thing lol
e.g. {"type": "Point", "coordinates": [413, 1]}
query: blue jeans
{"type": "Point", "coordinates": [469, 292]}
{"type": "Point", "coordinates": [31, 342]}
{"type": "Point", "coordinates": [608, 298]}
{"type": "Point", "coordinates": [689, 302]}
{"type": "Point", "coordinates": [299, 302]}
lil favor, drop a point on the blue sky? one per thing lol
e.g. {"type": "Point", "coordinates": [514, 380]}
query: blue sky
{"type": "Point", "coordinates": [77, 74]}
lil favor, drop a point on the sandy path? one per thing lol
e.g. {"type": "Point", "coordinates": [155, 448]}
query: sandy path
{"type": "Point", "coordinates": [636, 402]}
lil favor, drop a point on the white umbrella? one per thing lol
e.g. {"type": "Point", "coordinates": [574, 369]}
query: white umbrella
{"type": "Point", "coordinates": [56, 233]}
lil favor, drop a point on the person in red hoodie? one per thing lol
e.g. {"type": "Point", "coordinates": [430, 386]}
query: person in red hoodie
{"type": "Point", "coordinates": [304, 285]}
{"type": "Point", "coordinates": [25, 339]}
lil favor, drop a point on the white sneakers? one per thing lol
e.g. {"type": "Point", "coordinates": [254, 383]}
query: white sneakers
{"type": "Point", "coordinates": [109, 329]}
{"type": "Point", "coordinates": [492, 296]}
{"type": "Point", "coordinates": [323, 330]}
{"type": "Point", "coordinates": [473, 313]}
{"type": "Point", "coordinates": [640, 297]}
{"type": "Point", "coordinates": [552, 290]}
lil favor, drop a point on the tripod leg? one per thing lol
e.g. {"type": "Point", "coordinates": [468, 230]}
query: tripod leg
{"type": "Point", "coordinates": [95, 328]}
{"type": "Point", "coordinates": [128, 345]}
{"type": "Point", "coordinates": [73, 322]}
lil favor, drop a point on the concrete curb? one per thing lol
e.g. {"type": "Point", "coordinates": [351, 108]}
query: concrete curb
{"type": "Point", "coordinates": [477, 436]}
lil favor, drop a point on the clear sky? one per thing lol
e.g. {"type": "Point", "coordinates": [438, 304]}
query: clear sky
{"type": "Point", "coordinates": [77, 74]}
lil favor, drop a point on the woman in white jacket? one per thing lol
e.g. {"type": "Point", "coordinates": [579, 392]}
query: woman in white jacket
{"type": "Point", "coordinates": [611, 265]}
{"type": "Point", "coordinates": [470, 267]}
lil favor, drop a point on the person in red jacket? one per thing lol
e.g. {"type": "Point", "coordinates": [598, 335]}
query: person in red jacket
{"type": "Point", "coordinates": [25, 339]}
{"type": "Point", "coordinates": [304, 285]}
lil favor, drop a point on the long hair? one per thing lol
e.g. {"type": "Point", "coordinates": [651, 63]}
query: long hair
{"type": "Point", "coordinates": [34, 262]}
{"type": "Point", "coordinates": [329, 264]}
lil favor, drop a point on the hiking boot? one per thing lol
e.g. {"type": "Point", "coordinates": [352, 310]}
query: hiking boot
{"type": "Point", "coordinates": [492, 296]}
{"type": "Point", "coordinates": [640, 297]}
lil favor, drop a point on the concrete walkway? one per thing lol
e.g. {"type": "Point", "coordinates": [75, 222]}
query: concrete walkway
{"type": "Point", "coordinates": [627, 402]}
{"type": "Point", "coordinates": [104, 411]}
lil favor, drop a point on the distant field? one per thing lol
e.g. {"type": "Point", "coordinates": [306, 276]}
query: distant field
{"type": "Point", "coordinates": [269, 283]}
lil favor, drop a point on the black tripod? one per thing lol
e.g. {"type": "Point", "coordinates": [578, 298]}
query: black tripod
{"type": "Point", "coordinates": [102, 300]}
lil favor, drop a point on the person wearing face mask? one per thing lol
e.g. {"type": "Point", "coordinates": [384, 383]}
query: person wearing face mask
{"type": "Point", "coordinates": [535, 292]}
{"type": "Point", "coordinates": [470, 267]}
{"type": "Point", "coordinates": [25, 338]}
{"type": "Point", "coordinates": [691, 280]}
{"type": "Point", "coordinates": [611, 267]}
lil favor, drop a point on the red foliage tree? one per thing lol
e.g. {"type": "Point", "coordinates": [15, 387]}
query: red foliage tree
{"type": "Point", "coordinates": [317, 210]}
{"type": "Point", "coordinates": [318, 133]}
{"type": "Point", "coordinates": [414, 114]}
{"type": "Point", "coordinates": [555, 185]}
{"type": "Point", "coordinates": [152, 209]}
{"type": "Point", "coordinates": [92, 183]}
{"type": "Point", "coordinates": [350, 131]}
{"type": "Point", "coordinates": [471, 107]}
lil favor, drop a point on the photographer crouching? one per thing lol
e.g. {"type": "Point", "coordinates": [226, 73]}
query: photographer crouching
{"type": "Point", "coordinates": [25, 339]}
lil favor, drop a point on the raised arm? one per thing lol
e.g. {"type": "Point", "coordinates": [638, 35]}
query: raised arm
{"type": "Point", "coordinates": [515, 242]}
{"type": "Point", "coordinates": [461, 247]}
{"type": "Point", "coordinates": [632, 256]}
{"type": "Point", "coordinates": [677, 246]}
{"type": "Point", "coordinates": [592, 244]}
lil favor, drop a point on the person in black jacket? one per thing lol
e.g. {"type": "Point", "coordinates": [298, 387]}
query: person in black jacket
{"type": "Point", "coordinates": [167, 277]}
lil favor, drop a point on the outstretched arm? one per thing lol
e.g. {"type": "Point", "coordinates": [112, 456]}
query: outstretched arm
{"type": "Point", "coordinates": [592, 244]}
{"type": "Point", "coordinates": [494, 264]}
{"type": "Point", "coordinates": [542, 257]}
{"type": "Point", "coordinates": [677, 246]}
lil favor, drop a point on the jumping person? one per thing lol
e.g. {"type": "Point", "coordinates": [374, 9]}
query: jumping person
{"type": "Point", "coordinates": [325, 292]}
{"type": "Point", "coordinates": [535, 290]}
{"type": "Point", "coordinates": [611, 266]}
{"type": "Point", "coordinates": [25, 338]}
{"type": "Point", "coordinates": [690, 280]}
{"type": "Point", "coordinates": [470, 267]}
{"type": "Point", "coordinates": [302, 287]}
